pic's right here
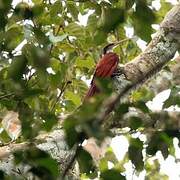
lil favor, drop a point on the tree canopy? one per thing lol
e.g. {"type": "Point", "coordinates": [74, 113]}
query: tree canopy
{"type": "Point", "coordinates": [47, 56]}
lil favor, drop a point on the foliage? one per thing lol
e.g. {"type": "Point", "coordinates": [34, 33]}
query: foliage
{"type": "Point", "coordinates": [45, 56]}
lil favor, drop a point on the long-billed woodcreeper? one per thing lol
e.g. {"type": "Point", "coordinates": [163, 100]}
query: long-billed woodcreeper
{"type": "Point", "coordinates": [106, 67]}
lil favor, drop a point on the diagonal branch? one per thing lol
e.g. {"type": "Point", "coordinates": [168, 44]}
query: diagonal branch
{"type": "Point", "coordinates": [160, 50]}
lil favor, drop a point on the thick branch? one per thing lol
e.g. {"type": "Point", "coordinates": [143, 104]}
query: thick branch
{"type": "Point", "coordinates": [53, 143]}
{"type": "Point", "coordinates": [159, 51]}
{"type": "Point", "coordinates": [160, 120]}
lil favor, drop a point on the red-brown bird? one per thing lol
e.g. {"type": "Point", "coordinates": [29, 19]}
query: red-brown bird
{"type": "Point", "coordinates": [106, 66]}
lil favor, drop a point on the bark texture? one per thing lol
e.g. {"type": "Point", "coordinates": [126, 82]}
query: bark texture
{"type": "Point", "coordinates": [53, 143]}
{"type": "Point", "coordinates": [160, 50]}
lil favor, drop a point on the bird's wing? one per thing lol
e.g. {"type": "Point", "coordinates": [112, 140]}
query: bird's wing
{"type": "Point", "coordinates": [106, 66]}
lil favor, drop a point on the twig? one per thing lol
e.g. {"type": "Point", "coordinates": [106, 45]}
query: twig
{"type": "Point", "coordinates": [18, 171]}
{"type": "Point", "coordinates": [134, 170]}
{"type": "Point", "coordinates": [8, 143]}
{"type": "Point", "coordinates": [6, 95]}
{"type": "Point", "coordinates": [61, 93]}
{"type": "Point", "coordinates": [116, 133]}
{"type": "Point", "coordinates": [30, 76]}
{"type": "Point", "coordinates": [35, 25]}
{"type": "Point", "coordinates": [51, 48]}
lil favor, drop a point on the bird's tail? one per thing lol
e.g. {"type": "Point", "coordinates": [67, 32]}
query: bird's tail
{"type": "Point", "coordinates": [92, 90]}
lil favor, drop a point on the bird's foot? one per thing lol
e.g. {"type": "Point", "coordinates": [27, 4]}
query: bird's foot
{"type": "Point", "coordinates": [119, 71]}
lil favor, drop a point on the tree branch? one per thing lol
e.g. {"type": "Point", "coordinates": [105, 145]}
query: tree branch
{"type": "Point", "coordinates": [160, 120]}
{"type": "Point", "coordinates": [160, 50]}
{"type": "Point", "coordinates": [54, 143]}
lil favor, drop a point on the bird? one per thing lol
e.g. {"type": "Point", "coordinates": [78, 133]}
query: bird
{"type": "Point", "coordinates": [105, 68]}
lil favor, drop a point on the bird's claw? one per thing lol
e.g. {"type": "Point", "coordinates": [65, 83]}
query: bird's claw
{"type": "Point", "coordinates": [118, 72]}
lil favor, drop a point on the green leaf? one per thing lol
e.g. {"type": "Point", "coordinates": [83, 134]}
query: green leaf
{"type": "Point", "coordinates": [23, 11]}
{"type": "Point", "coordinates": [13, 37]}
{"type": "Point", "coordinates": [72, 9]}
{"type": "Point", "coordinates": [2, 175]}
{"type": "Point", "coordinates": [4, 137]}
{"type": "Point", "coordinates": [50, 120]}
{"type": "Point", "coordinates": [74, 29]}
{"type": "Point", "coordinates": [129, 3]}
{"type": "Point", "coordinates": [103, 165]}
{"type": "Point", "coordinates": [174, 98]}
{"type": "Point", "coordinates": [105, 85]}
{"type": "Point", "coordinates": [33, 92]}
{"type": "Point", "coordinates": [3, 20]}
{"type": "Point", "coordinates": [56, 79]}
{"type": "Point", "coordinates": [26, 117]}
{"type": "Point", "coordinates": [49, 164]}
{"type": "Point", "coordinates": [56, 39]}
{"type": "Point", "coordinates": [110, 156]}
{"type": "Point", "coordinates": [56, 8]}
{"type": "Point", "coordinates": [165, 7]}
{"type": "Point", "coordinates": [73, 97]}
{"type": "Point", "coordinates": [81, 87]}
{"type": "Point", "coordinates": [135, 122]}
{"type": "Point", "coordinates": [122, 109]}
{"type": "Point", "coordinates": [41, 37]}
{"type": "Point", "coordinates": [5, 6]}
{"type": "Point", "coordinates": [146, 33]}
{"type": "Point", "coordinates": [40, 162]}
{"type": "Point", "coordinates": [37, 10]}
{"type": "Point", "coordinates": [159, 141]}
{"type": "Point", "coordinates": [70, 131]}
{"type": "Point", "coordinates": [92, 19]}
{"type": "Point", "coordinates": [88, 62]}
{"type": "Point", "coordinates": [99, 37]}
{"type": "Point", "coordinates": [37, 57]}
{"type": "Point", "coordinates": [110, 19]}
{"type": "Point", "coordinates": [17, 68]}
{"type": "Point", "coordinates": [112, 174]}
{"type": "Point", "coordinates": [55, 64]}
{"type": "Point", "coordinates": [135, 153]}
{"type": "Point", "coordinates": [142, 106]}
{"type": "Point", "coordinates": [142, 94]}
{"type": "Point", "coordinates": [142, 18]}
{"type": "Point", "coordinates": [85, 161]}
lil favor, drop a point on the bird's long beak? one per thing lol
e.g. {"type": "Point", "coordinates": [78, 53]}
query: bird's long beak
{"type": "Point", "coordinates": [119, 42]}
{"type": "Point", "coordinates": [113, 45]}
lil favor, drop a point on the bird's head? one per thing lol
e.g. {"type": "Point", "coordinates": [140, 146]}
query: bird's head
{"type": "Point", "coordinates": [108, 48]}
{"type": "Point", "coordinates": [111, 46]}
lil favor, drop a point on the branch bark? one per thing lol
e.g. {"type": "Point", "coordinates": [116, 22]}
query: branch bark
{"type": "Point", "coordinates": [159, 121]}
{"type": "Point", "coordinates": [54, 143]}
{"type": "Point", "coordinates": [169, 78]}
{"type": "Point", "coordinates": [160, 50]}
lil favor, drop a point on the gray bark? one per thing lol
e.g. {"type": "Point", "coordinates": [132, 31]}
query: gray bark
{"type": "Point", "coordinates": [160, 50]}
{"type": "Point", "coordinates": [53, 143]}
